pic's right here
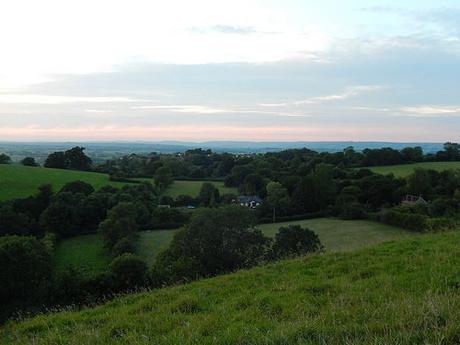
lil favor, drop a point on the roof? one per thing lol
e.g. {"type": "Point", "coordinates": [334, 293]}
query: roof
{"type": "Point", "coordinates": [249, 198]}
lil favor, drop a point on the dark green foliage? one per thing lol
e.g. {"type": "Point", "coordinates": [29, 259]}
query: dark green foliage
{"type": "Point", "coordinates": [73, 159]}
{"type": "Point", "coordinates": [128, 271]}
{"type": "Point", "coordinates": [215, 241]}
{"type": "Point", "coordinates": [25, 267]}
{"type": "Point", "coordinates": [120, 223]}
{"type": "Point", "coordinates": [13, 223]}
{"type": "Point", "coordinates": [122, 246]}
{"type": "Point", "coordinates": [163, 177]}
{"type": "Point", "coordinates": [5, 159]}
{"type": "Point", "coordinates": [209, 195]}
{"type": "Point", "coordinates": [293, 240]}
{"type": "Point", "coordinates": [78, 187]}
{"type": "Point", "coordinates": [29, 161]}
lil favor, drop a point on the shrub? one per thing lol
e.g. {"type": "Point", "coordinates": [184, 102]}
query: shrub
{"type": "Point", "coordinates": [215, 241]}
{"type": "Point", "coordinates": [353, 210]}
{"type": "Point", "coordinates": [123, 245]}
{"type": "Point", "coordinates": [128, 271]}
{"type": "Point", "coordinates": [409, 221]}
{"type": "Point", "coordinates": [293, 240]}
{"type": "Point", "coordinates": [25, 268]}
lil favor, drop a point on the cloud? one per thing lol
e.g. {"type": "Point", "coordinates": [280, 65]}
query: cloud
{"type": "Point", "coordinates": [226, 29]}
{"type": "Point", "coordinates": [430, 110]}
{"type": "Point", "coordinates": [52, 99]}
{"type": "Point", "coordinates": [349, 92]}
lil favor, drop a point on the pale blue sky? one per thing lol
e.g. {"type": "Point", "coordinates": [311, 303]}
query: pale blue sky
{"type": "Point", "coordinates": [230, 70]}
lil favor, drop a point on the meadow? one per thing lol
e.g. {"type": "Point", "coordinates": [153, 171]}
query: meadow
{"type": "Point", "coordinates": [17, 181]}
{"type": "Point", "coordinates": [404, 170]}
{"type": "Point", "coordinates": [192, 188]}
{"type": "Point", "coordinates": [88, 253]}
{"type": "Point", "coordinates": [399, 292]}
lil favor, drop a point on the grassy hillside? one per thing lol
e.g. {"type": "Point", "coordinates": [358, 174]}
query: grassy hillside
{"type": "Point", "coordinates": [17, 181]}
{"type": "Point", "coordinates": [192, 188]}
{"type": "Point", "coordinates": [336, 235]}
{"type": "Point", "coordinates": [403, 292]}
{"type": "Point", "coordinates": [407, 169]}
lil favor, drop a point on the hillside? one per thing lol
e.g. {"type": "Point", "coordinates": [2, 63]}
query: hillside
{"type": "Point", "coordinates": [402, 292]}
{"type": "Point", "coordinates": [406, 169]}
{"type": "Point", "coordinates": [17, 181]}
{"type": "Point", "coordinates": [88, 253]}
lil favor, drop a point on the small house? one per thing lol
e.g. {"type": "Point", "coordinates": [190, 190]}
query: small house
{"type": "Point", "coordinates": [414, 200]}
{"type": "Point", "coordinates": [251, 201]}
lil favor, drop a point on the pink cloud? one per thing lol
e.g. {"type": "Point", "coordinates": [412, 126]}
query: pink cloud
{"type": "Point", "coordinates": [202, 133]}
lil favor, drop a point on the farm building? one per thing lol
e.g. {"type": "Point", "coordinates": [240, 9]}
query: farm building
{"type": "Point", "coordinates": [251, 201]}
{"type": "Point", "coordinates": [414, 200]}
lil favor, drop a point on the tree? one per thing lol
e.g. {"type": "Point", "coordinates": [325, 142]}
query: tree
{"type": "Point", "coordinates": [163, 177]}
{"type": "Point", "coordinates": [76, 159]}
{"type": "Point", "coordinates": [25, 268]}
{"type": "Point", "coordinates": [215, 241]}
{"type": "Point", "coordinates": [129, 272]}
{"type": "Point", "coordinates": [13, 223]}
{"type": "Point", "coordinates": [120, 223]}
{"type": "Point", "coordinates": [60, 216]}
{"type": "Point", "coordinates": [78, 187]}
{"type": "Point", "coordinates": [29, 161]}
{"type": "Point", "coordinates": [5, 159]}
{"type": "Point", "coordinates": [209, 195]}
{"type": "Point", "coordinates": [293, 240]}
{"type": "Point", "coordinates": [56, 160]}
{"type": "Point", "coordinates": [277, 196]}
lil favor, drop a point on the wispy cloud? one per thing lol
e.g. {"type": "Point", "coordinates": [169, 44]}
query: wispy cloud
{"type": "Point", "coordinates": [50, 99]}
{"type": "Point", "coordinates": [349, 92]}
{"type": "Point", "coordinates": [431, 110]}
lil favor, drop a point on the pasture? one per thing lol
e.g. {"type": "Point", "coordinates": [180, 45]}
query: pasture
{"type": "Point", "coordinates": [402, 292]}
{"type": "Point", "coordinates": [192, 188]}
{"type": "Point", "coordinates": [404, 170]}
{"type": "Point", "coordinates": [336, 235]}
{"type": "Point", "coordinates": [17, 181]}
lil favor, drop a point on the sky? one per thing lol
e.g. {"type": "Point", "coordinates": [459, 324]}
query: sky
{"type": "Point", "coordinates": [252, 70]}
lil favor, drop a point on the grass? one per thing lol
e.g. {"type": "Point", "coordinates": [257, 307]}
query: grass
{"type": "Point", "coordinates": [192, 188]}
{"type": "Point", "coordinates": [85, 252]}
{"type": "Point", "coordinates": [336, 235]}
{"type": "Point", "coordinates": [344, 235]}
{"type": "Point", "coordinates": [406, 169]}
{"type": "Point", "coordinates": [152, 242]}
{"type": "Point", "coordinates": [17, 181]}
{"type": "Point", "coordinates": [400, 292]}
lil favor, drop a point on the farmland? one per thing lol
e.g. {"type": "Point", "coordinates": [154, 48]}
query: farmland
{"type": "Point", "coordinates": [406, 169]}
{"type": "Point", "coordinates": [402, 292]}
{"type": "Point", "coordinates": [17, 181]}
{"type": "Point", "coordinates": [336, 235]}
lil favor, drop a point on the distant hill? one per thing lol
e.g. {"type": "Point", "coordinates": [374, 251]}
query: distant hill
{"type": "Point", "coordinates": [101, 151]}
{"type": "Point", "coordinates": [404, 292]}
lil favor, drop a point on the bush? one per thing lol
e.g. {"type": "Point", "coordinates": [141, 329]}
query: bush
{"type": "Point", "coordinates": [215, 241]}
{"type": "Point", "coordinates": [29, 161]}
{"type": "Point", "coordinates": [128, 271]}
{"type": "Point", "coordinates": [123, 245]}
{"type": "Point", "coordinates": [409, 221]}
{"type": "Point", "coordinates": [293, 240]}
{"type": "Point", "coordinates": [25, 268]}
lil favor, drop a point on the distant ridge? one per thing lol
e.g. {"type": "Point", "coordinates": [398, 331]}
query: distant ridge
{"type": "Point", "coordinates": [218, 146]}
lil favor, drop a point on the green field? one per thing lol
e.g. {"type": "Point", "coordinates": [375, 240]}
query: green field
{"type": "Point", "coordinates": [335, 234]}
{"type": "Point", "coordinates": [406, 169]}
{"type": "Point", "coordinates": [85, 252]}
{"type": "Point", "coordinates": [192, 188]}
{"type": "Point", "coordinates": [344, 235]}
{"type": "Point", "coordinates": [17, 181]}
{"type": "Point", "coordinates": [401, 292]}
